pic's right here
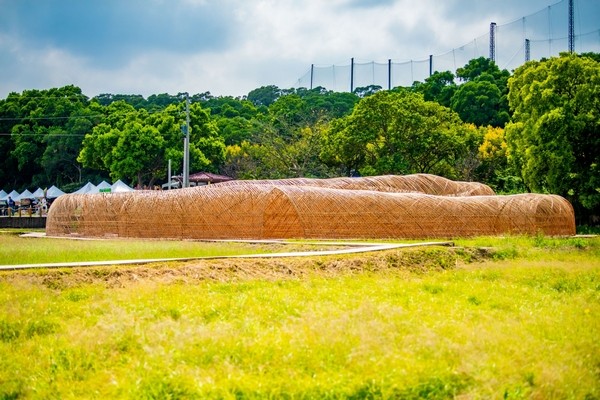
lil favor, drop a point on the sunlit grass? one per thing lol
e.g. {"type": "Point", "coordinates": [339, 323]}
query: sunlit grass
{"type": "Point", "coordinates": [524, 326]}
{"type": "Point", "coordinates": [27, 250]}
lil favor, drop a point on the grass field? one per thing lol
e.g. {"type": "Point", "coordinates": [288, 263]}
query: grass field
{"type": "Point", "coordinates": [514, 317]}
{"type": "Point", "coordinates": [34, 250]}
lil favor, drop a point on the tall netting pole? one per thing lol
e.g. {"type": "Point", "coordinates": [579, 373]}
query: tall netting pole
{"type": "Point", "coordinates": [493, 41]}
{"type": "Point", "coordinates": [390, 74]}
{"type": "Point", "coordinates": [571, 27]}
{"type": "Point", "coordinates": [352, 75]}
{"type": "Point", "coordinates": [527, 50]}
{"type": "Point", "coordinates": [430, 64]}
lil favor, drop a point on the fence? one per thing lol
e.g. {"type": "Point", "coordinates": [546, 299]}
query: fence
{"type": "Point", "coordinates": [540, 35]}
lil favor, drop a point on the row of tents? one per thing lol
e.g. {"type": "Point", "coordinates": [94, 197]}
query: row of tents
{"type": "Point", "coordinates": [51, 193]}
{"type": "Point", "coordinates": [54, 192]}
{"type": "Point", "coordinates": [104, 187]}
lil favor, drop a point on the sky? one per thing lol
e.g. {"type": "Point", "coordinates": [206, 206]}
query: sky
{"type": "Point", "coordinates": [225, 47]}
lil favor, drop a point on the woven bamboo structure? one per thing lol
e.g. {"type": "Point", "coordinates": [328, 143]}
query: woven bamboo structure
{"type": "Point", "coordinates": [417, 183]}
{"type": "Point", "coordinates": [378, 207]}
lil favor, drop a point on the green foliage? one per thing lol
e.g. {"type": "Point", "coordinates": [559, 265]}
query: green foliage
{"type": "Point", "coordinates": [9, 331]}
{"type": "Point", "coordinates": [482, 99]}
{"type": "Point", "coordinates": [135, 145]}
{"type": "Point", "coordinates": [480, 102]}
{"type": "Point", "coordinates": [439, 87]}
{"type": "Point", "coordinates": [265, 95]}
{"type": "Point", "coordinates": [494, 168]}
{"type": "Point", "coordinates": [397, 132]}
{"type": "Point", "coordinates": [46, 129]}
{"type": "Point", "coordinates": [555, 136]}
{"type": "Point", "coordinates": [479, 67]}
{"type": "Point", "coordinates": [60, 137]}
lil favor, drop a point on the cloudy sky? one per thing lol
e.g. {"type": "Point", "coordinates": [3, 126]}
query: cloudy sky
{"type": "Point", "coordinates": [227, 47]}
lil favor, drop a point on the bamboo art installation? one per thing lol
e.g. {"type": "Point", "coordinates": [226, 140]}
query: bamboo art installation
{"type": "Point", "coordinates": [413, 206]}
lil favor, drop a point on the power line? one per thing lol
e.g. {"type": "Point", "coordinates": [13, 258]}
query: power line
{"type": "Point", "coordinates": [44, 134]}
{"type": "Point", "coordinates": [38, 118]}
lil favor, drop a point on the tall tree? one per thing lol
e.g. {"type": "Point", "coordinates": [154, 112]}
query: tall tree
{"type": "Point", "coordinates": [439, 87]}
{"type": "Point", "coordinates": [265, 95]}
{"type": "Point", "coordinates": [481, 102]}
{"type": "Point", "coordinates": [482, 99]}
{"type": "Point", "coordinates": [554, 139]}
{"type": "Point", "coordinates": [34, 119]}
{"type": "Point", "coordinates": [397, 132]}
{"type": "Point", "coordinates": [136, 145]}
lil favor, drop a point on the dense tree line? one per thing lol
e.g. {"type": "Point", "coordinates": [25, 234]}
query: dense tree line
{"type": "Point", "coordinates": [534, 130]}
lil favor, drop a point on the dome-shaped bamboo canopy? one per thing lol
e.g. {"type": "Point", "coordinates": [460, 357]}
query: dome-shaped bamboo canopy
{"type": "Point", "coordinates": [375, 207]}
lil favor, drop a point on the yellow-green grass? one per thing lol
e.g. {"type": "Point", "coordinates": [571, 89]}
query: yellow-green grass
{"type": "Point", "coordinates": [520, 322]}
{"type": "Point", "coordinates": [34, 250]}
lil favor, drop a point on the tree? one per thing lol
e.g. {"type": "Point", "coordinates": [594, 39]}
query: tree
{"type": "Point", "coordinates": [481, 102]}
{"type": "Point", "coordinates": [35, 121]}
{"type": "Point", "coordinates": [439, 87]}
{"type": "Point", "coordinates": [494, 168]}
{"type": "Point", "coordinates": [326, 104]}
{"type": "Point", "coordinates": [265, 95]}
{"type": "Point", "coordinates": [555, 134]}
{"type": "Point", "coordinates": [397, 132]}
{"type": "Point", "coordinates": [366, 90]}
{"type": "Point", "coordinates": [136, 145]}
{"type": "Point", "coordinates": [480, 66]}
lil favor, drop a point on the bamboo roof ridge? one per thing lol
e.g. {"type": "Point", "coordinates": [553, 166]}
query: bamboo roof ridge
{"type": "Point", "coordinates": [416, 183]}
{"type": "Point", "coordinates": [262, 210]}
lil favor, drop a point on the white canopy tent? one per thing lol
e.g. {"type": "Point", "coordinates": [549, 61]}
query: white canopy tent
{"type": "Point", "coordinates": [87, 188]}
{"type": "Point", "coordinates": [26, 195]}
{"type": "Point", "coordinates": [39, 193]}
{"type": "Point", "coordinates": [3, 194]}
{"type": "Point", "coordinates": [13, 195]}
{"type": "Point", "coordinates": [54, 192]}
{"type": "Point", "coordinates": [104, 187]}
{"type": "Point", "coordinates": [101, 187]}
{"type": "Point", "coordinates": [119, 187]}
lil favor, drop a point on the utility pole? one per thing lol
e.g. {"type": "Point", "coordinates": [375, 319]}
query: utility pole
{"type": "Point", "coordinates": [169, 174]}
{"type": "Point", "coordinates": [186, 144]}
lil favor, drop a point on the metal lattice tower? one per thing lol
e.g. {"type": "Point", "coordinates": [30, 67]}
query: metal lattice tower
{"type": "Point", "coordinates": [493, 41]}
{"type": "Point", "coordinates": [571, 27]}
{"type": "Point", "coordinates": [527, 50]}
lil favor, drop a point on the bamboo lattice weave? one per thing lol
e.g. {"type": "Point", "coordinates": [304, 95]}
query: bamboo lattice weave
{"type": "Point", "coordinates": [417, 183]}
{"type": "Point", "coordinates": [271, 209]}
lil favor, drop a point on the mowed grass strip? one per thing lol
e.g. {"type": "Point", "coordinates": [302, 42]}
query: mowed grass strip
{"type": "Point", "coordinates": [516, 318]}
{"type": "Point", "coordinates": [31, 250]}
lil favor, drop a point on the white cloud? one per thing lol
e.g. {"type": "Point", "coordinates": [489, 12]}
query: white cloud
{"type": "Point", "coordinates": [234, 46]}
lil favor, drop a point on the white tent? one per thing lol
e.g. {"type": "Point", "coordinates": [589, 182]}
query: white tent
{"type": "Point", "coordinates": [25, 195]}
{"type": "Point", "coordinates": [13, 195]}
{"type": "Point", "coordinates": [3, 194]}
{"type": "Point", "coordinates": [54, 192]}
{"type": "Point", "coordinates": [87, 188]}
{"type": "Point", "coordinates": [39, 192]}
{"type": "Point", "coordinates": [101, 187]}
{"type": "Point", "coordinates": [119, 186]}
